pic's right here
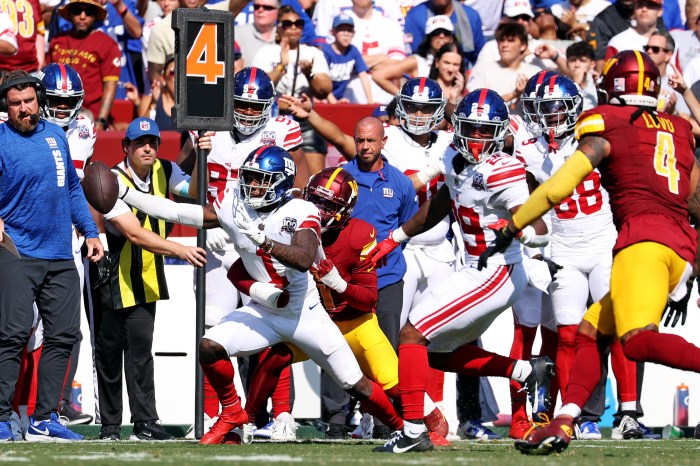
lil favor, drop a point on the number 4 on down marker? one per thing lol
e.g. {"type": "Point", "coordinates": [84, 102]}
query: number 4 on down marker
{"type": "Point", "coordinates": [201, 59]}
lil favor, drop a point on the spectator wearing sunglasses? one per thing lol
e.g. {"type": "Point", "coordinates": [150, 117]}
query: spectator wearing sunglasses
{"type": "Point", "coordinates": [646, 15]}
{"type": "Point", "coordinates": [660, 48]}
{"type": "Point", "coordinates": [262, 31]}
{"type": "Point", "coordinates": [93, 54]}
{"type": "Point", "coordinates": [297, 69]}
{"type": "Point", "coordinates": [308, 35]}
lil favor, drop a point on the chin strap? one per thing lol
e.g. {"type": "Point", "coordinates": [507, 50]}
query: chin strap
{"type": "Point", "coordinates": [553, 145]}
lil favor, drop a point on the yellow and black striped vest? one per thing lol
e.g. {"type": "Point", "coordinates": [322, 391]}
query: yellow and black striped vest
{"type": "Point", "coordinates": [136, 275]}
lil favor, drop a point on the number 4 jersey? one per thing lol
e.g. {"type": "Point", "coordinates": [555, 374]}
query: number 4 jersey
{"type": "Point", "coordinates": [582, 223]}
{"type": "Point", "coordinates": [647, 175]}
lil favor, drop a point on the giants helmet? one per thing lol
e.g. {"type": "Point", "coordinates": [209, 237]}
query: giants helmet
{"type": "Point", "coordinates": [420, 105]}
{"type": "Point", "coordinates": [334, 191]}
{"type": "Point", "coordinates": [64, 93]}
{"type": "Point", "coordinates": [272, 170]}
{"type": "Point", "coordinates": [481, 124]}
{"type": "Point", "coordinates": [630, 78]}
{"type": "Point", "coordinates": [252, 92]}
{"type": "Point", "coordinates": [558, 103]}
{"type": "Point", "coordinates": [528, 99]}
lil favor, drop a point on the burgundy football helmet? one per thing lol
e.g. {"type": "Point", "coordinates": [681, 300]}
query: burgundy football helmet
{"type": "Point", "coordinates": [630, 78]}
{"type": "Point", "coordinates": [334, 191]}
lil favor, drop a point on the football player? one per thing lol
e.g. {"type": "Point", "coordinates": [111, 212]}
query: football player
{"type": "Point", "coordinates": [648, 168]}
{"type": "Point", "coordinates": [277, 239]}
{"type": "Point", "coordinates": [483, 187]}
{"type": "Point", "coordinates": [347, 283]}
{"type": "Point", "coordinates": [254, 95]}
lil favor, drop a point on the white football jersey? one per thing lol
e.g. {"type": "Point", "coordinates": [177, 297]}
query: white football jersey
{"type": "Point", "coordinates": [228, 151]}
{"type": "Point", "coordinates": [279, 225]}
{"type": "Point", "coordinates": [410, 157]}
{"type": "Point", "coordinates": [81, 141]}
{"type": "Point", "coordinates": [481, 195]}
{"type": "Point", "coordinates": [582, 224]}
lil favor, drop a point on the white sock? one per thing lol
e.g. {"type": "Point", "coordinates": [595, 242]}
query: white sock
{"type": "Point", "coordinates": [570, 409]}
{"type": "Point", "coordinates": [428, 405]}
{"type": "Point", "coordinates": [628, 406]}
{"type": "Point", "coordinates": [521, 370]}
{"type": "Point", "coordinates": [413, 430]}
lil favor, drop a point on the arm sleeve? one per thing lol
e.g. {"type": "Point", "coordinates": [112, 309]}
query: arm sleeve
{"type": "Point", "coordinates": [361, 292]}
{"type": "Point", "coordinates": [179, 182]}
{"type": "Point", "coordinates": [165, 209]}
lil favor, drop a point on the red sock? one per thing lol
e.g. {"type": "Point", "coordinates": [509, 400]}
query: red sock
{"type": "Point", "coordinates": [566, 353]}
{"type": "Point", "coordinates": [663, 348]}
{"type": "Point", "coordinates": [523, 338]}
{"type": "Point", "coordinates": [471, 360]}
{"type": "Point", "coordinates": [393, 392]}
{"type": "Point", "coordinates": [220, 374]}
{"type": "Point", "coordinates": [265, 379]}
{"type": "Point", "coordinates": [625, 373]}
{"type": "Point", "coordinates": [379, 406]}
{"type": "Point", "coordinates": [211, 401]}
{"type": "Point", "coordinates": [281, 397]}
{"type": "Point", "coordinates": [413, 379]}
{"type": "Point", "coordinates": [436, 383]}
{"type": "Point", "coordinates": [583, 380]}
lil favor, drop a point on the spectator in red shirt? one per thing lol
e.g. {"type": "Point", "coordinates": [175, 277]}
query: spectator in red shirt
{"type": "Point", "coordinates": [93, 54]}
{"type": "Point", "coordinates": [28, 26]}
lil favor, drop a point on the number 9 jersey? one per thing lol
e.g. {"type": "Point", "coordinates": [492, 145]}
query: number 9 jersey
{"type": "Point", "coordinates": [646, 174]}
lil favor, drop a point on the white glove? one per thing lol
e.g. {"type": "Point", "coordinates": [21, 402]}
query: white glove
{"type": "Point", "coordinates": [330, 276]}
{"type": "Point", "coordinates": [217, 239]}
{"type": "Point", "coordinates": [250, 229]}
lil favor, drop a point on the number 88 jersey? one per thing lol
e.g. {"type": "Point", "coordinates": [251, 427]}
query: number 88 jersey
{"type": "Point", "coordinates": [581, 224]}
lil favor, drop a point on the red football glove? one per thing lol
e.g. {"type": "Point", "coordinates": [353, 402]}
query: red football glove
{"type": "Point", "coordinates": [382, 250]}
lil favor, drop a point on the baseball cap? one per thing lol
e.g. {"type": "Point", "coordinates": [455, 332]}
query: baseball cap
{"type": "Point", "coordinates": [439, 22]}
{"type": "Point", "coordinates": [513, 8]}
{"type": "Point", "coordinates": [100, 10]}
{"type": "Point", "coordinates": [380, 112]}
{"type": "Point", "coordinates": [142, 127]}
{"type": "Point", "coordinates": [341, 20]}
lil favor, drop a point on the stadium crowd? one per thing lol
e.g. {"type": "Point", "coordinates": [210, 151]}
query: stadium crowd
{"type": "Point", "coordinates": [490, 176]}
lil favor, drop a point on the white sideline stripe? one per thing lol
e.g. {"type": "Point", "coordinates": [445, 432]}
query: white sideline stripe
{"type": "Point", "coordinates": [15, 459]}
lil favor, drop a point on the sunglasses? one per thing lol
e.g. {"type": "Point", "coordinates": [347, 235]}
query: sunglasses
{"type": "Point", "coordinates": [264, 7]}
{"type": "Point", "coordinates": [539, 13]}
{"type": "Point", "coordinates": [522, 17]}
{"type": "Point", "coordinates": [78, 10]}
{"type": "Point", "coordinates": [440, 32]}
{"type": "Point", "coordinates": [654, 49]}
{"type": "Point", "coordinates": [287, 23]}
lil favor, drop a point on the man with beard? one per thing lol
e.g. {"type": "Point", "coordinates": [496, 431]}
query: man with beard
{"type": "Point", "coordinates": [36, 170]}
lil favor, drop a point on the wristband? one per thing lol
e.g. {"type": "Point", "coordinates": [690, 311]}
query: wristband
{"type": "Point", "coordinates": [399, 235]}
{"type": "Point", "coordinates": [555, 57]}
{"type": "Point", "coordinates": [103, 122]}
{"type": "Point", "coordinates": [123, 11]}
{"type": "Point", "coordinates": [281, 68]}
{"type": "Point", "coordinates": [268, 246]}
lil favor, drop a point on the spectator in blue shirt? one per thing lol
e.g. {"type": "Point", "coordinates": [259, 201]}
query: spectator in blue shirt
{"type": "Point", "coordinates": [386, 200]}
{"type": "Point", "coordinates": [465, 19]}
{"type": "Point", "coordinates": [345, 60]}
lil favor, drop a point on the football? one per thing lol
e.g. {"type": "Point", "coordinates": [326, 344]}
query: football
{"type": "Point", "coordinates": [100, 186]}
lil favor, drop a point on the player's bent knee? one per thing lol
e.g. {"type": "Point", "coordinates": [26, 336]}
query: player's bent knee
{"type": "Point", "coordinates": [211, 351]}
{"type": "Point", "coordinates": [409, 335]}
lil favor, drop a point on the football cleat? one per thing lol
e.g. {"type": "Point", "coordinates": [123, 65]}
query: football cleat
{"type": "Point", "coordinates": [438, 440]}
{"type": "Point", "coordinates": [549, 438]}
{"type": "Point", "coordinates": [627, 430]}
{"type": "Point", "coordinates": [208, 422]}
{"type": "Point", "coordinates": [520, 427]}
{"type": "Point", "coordinates": [50, 430]}
{"type": "Point", "coordinates": [588, 430]}
{"type": "Point", "coordinates": [473, 429]}
{"type": "Point", "coordinates": [265, 431]}
{"type": "Point", "coordinates": [335, 432]}
{"type": "Point", "coordinates": [248, 432]}
{"type": "Point", "coordinates": [537, 384]}
{"type": "Point", "coordinates": [72, 416]}
{"type": "Point", "coordinates": [400, 443]}
{"type": "Point", "coordinates": [230, 417]}
{"type": "Point", "coordinates": [648, 434]}
{"type": "Point", "coordinates": [364, 428]}
{"type": "Point", "coordinates": [436, 422]}
{"type": "Point", "coordinates": [284, 428]}
{"type": "Point", "coordinates": [110, 432]}
{"type": "Point", "coordinates": [381, 432]}
{"type": "Point", "coordinates": [6, 434]}
{"type": "Point", "coordinates": [150, 430]}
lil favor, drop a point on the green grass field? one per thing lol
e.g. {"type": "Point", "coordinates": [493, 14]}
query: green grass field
{"type": "Point", "coordinates": [320, 452]}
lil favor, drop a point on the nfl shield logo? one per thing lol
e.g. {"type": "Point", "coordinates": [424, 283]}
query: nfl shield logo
{"type": "Point", "coordinates": [144, 125]}
{"type": "Point", "coordinates": [619, 84]}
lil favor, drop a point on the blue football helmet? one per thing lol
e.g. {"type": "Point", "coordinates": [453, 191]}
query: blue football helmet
{"type": "Point", "coordinates": [64, 93]}
{"type": "Point", "coordinates": [420, 105]}
{"type": "Point", "coordinates": [559, 104]}
{"type": "Point", "coordinates": [253, 96]}
{"type": "Point", "coordinates": [528, 99]}
{"type": "Point", "coordinates": [481, 122]}
{"type": "Point", "coordinates": [265, 176]}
